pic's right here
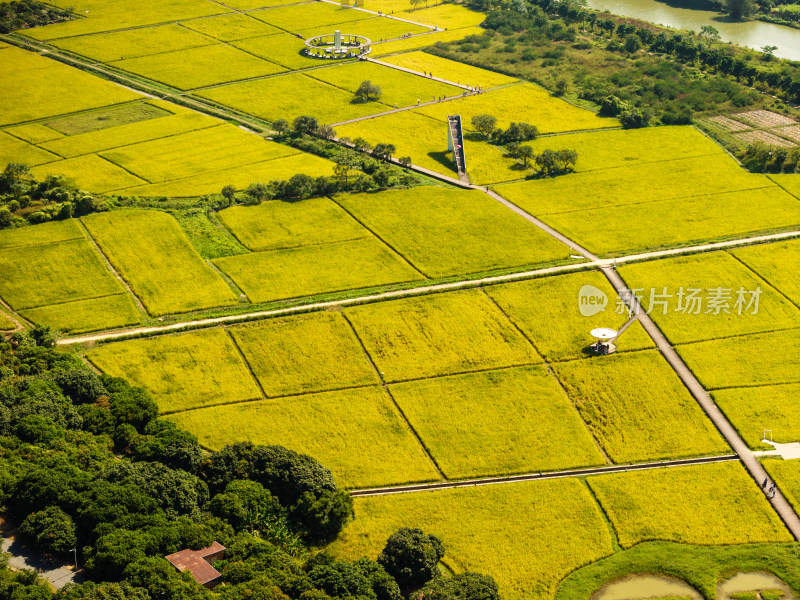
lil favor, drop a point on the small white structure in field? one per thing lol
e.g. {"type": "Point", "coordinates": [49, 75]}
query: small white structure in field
{"type": "Point", "coordinates": [603, 337]}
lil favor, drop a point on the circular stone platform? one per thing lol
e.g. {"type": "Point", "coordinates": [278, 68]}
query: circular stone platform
{"type": "Point", "coordinates": [337, 45]}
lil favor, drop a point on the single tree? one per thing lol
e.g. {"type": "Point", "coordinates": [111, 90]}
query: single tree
{"type": "Point", "coordinates": [51, 530]}
{"type": "Point", "coordinates": [326, 132]}
{"type": "Point", "coordinates": [229, 192]}
{"type": "Point", "coordinates": [383, 151]}
{"type": "Point", "coordinates": [305, 125]}
{"type": "Point", "coordinates": [280, 125]}
{"type": "Point", "coordinates": [462, 586]}
{"type": "Point", "coordinates": [368, 91]}
{"type": "Point", "coordinates": [484, 124]}
{"type": "Point", "coordinates": [411, 557]}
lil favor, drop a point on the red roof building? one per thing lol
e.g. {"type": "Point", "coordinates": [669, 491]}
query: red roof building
{"type": "Point", "coordinates": [200, 563]}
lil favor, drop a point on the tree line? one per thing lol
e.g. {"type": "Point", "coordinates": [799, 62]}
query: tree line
{"type": "Point", "coordinates": [22, 14]}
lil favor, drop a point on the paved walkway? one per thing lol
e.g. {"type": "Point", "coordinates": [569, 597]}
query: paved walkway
{"type": "Point", "coordinates": [23, 557]}
{"type": "Point", "coordinates": [417, 73]}
{"type": "Point", "coordinates": [405, 108]}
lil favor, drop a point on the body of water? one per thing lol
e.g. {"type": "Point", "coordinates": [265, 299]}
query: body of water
{"type": "Point", "coordinates": [754, 34]}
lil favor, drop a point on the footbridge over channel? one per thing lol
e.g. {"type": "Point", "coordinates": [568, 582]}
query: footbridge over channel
{"type": "Point", "coordinates": [455, 143]}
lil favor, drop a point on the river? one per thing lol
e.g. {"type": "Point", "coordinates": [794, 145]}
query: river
{"type": "Point", "coordinates": [754, 34]}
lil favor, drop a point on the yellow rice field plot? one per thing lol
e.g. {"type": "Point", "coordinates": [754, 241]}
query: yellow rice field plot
{"type": "Point", "coordinates": [133, 43]}
{"type": "Point", "coordinates": [778, 263]}
{"type": "Point", "coordinates": [45, 274]}
{"type": "Point", "coordinates": [626, 147]}
{"type": "Point", "coordinates": [446, 232]}
{"type": "Point", "coordinates": [310, 270]}
{"type": "Point", "coordinates": [374, 28]}
{"type": "Point", "coordinates": [424, 40]}
{"type": "Point", "coordinates": [714, 504]}
{"type": "Point", "coordinates": [358, 434]}
{"type": "Point", "coordinates": [700, 314]}
{"type": "Point", "coordinates": [309, 353]}
{"type": "Point", "coordinates": [18, 151]}
{"type": "Point", "coordinates": [791, 183]}
{"type": "Point", "coordinates": [523, 102]}
{"type": "Point", "coordinates": [283, 49]}
{"type": "Point", "coordinates": [276, 224]}
{"type": "Point", "coordinates": [634, 184]}
{"type": "Point", "coordinates": [81, 316]}
{"type": "Point", "coordinates": [183, 371]}
{"type": "Point", "coordinates": [303, 16]}
{"type": "Point", "coordinates": [446, 15]}
{"type": "Point", "coordinates": [450, 70]}
{"type": "Point", "coordinates": [548, 311]}
{"type": "Point", "coordinates": [199, 67]}
{"type": "Point", "coordinates": [497, 423]}
{"type": "Point", "coordinates": [439, 334]}
{"type": "Point", "coordinates": [747, 360]}
{"type": "Point", "coordinates": [665, 223]}
{"type": "Point", "coordinates": [133, 133]}
{"type": "Point", "coordinates": [6, 324]}
{"type": "Point", "coordinates": [254, 4]}
{"type": "Point", "coordinates": [111, 15]}
{"type": "Point", "coordinates": [34, 133]}
{"type": "Point", "coordinates": [638, 409]}
{"type": "Point", "coordinates": [239, 177]}
{"type": "Point", "coordinates": [290, 96]}
{"type": "Point", "coordinates": [45, 233]}
{"type": "Point", "coordinates": [752, 410]}
{"type": "Point", "coordinates": [195, 153]}
{"type": "Point", "coordinates": [153, 255]}
{"type": "Point", "coordinates": [528, 535]}
{"type": "Point", "coordinates": [30, 98]}
{"type": "Point", "coordinates": [787, 475]}
{"type": "Point", "coordinates": [231, 27]}
{"type": "Point", "coordinates": [91, 172]}
{"type": "Point", "coordinates": [488, 164]}
{"type": "Point", "coordinates": [399, 88]}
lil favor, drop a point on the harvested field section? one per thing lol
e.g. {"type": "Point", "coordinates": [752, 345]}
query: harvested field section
{"type": "Point", "coordinates": [765, 137]}
{"type": "Point", "coordinates": [715, 504]}
{"type": "Point", "coordinates": [104, 118]}
{"type": "Point", "coordinates": [182, 371]}
{"type": "Point", "coordinates": [638, 409]}
{"type": "Point", "coordinates": [308, 353]}
{"type": "Point", "coordinates": [310, 270]}
{"type": "Point", "coordinates": [358, 434]}
{"type": "Point", "coordinates": [439, 334]}
{"type": "Point", "coordinates": [529, 535]}
{"type": "Point", "coordinates": [152, 253]}
{"type": "Point", "coordinates": [497, 423]}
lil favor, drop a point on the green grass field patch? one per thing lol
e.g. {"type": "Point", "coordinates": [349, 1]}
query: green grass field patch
{"type": "Point", "coordinates": [625, 147]}
{"type": "Point", "coordinates": [195, 153]}
{"type": "Point", "coordinates": [34, 133]}
{"type": "Point", "coordinates": [231, 27]}
{"type": "Point", "coordinates": [527, 535]}
{"type": "Point", "coordinates": [183, 371]}
{"type": "Point", "coordinates": [45, 233]}
{"type": "Point", "coordinates": [755, 409]}
{"type": "Point", "coordinates": [290, 96]}
{"type": "Point", "coordinates": [524, 102]}
{"type": "Point", "coordinates": [308, 353]}
{"type": "Point", "coordinates": [375, 28]}
{"type": "Point", "coordinates": [778, 263]}
{"type": "Point", "coordinates": [358, 434]}
{"type": "Point", "coordinates": [548, 311]}
{"type": "Point", "coordinates": [91, 172]}
{"type": "Point", "coordinates": [638, 409]}
{"type": "Point", "coordinates": [81, 316]}
{"type": "Point", "coordinates": [310, 270]}
{"type": "Point", "coordinates": [786, 474]}
{"type": "Point", "coordinates": [283, 49]}
{"type": "Point", "coordinates": [652, 225]}
{"type": "Point", "coordinates": [44, 88]}
{"type": "Point", "coordinates": [207, 234]}
{"type": "Point", "coordinates": [45, 274]}
{"type": "Point", "coordinates": [449, 69]}
{"type": "Point", "coordinates": [153, 255]}
{"type": "Point", "coordinates": [398, 87]}
{"type": "Point", "coordinates": [443, 231]}
{"type": "Point", "coordinates": [633, 184]}
{"type": "Point", "coordinates": [133, 133]}
{"type": "Point", "coordinates": [304, 16]}
{"type": "Point", "coordinates": [96, 120]}
{"type": "Point", "coordinates": [424, 40]}
{"type": "Point", "coordinates": [756, 359]}
{"type": "Point", "coordinates": [13, 150]}
{"type": "Point", "coordinates": [439, 334]}
{"type": "Point", "coordinates": [497, 423]}
{"type": "Point", "coordinates": [108, 15]}
{"type": "Point", "coordinates": [791, 183]}
{"type": "Point", "coordinates": [276, 224]}
{"type": "Point", "coordinates": [199, 67]}
{"type": "Point", "coordinates": [704, 272]}
{"type": "Point", "coordinates": [239, 177]}
{"type": "Point", "coordinates": [133, 43]}
{"type": "Point", "coordinates": [714, 504]}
